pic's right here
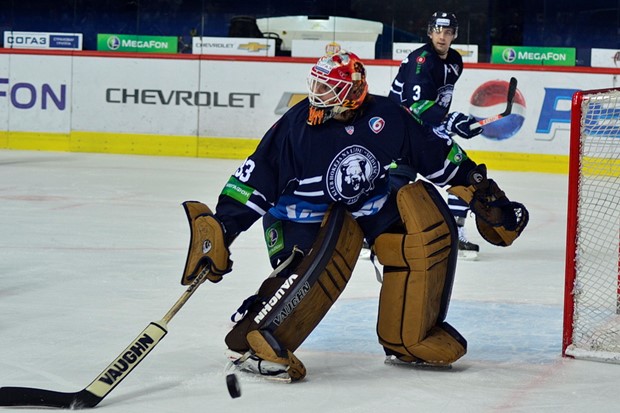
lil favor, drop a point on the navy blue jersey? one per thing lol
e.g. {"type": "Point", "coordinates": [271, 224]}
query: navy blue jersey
{"type": "Point", "coordinates": [425, 83]}
{"type": "Point", "coordinates": [298, 170]}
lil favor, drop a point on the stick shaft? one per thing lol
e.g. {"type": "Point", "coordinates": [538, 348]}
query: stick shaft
{"type": "Point", "coordinates": [112, 375]}
{"type": "Point", "coordinates": [200, 278]}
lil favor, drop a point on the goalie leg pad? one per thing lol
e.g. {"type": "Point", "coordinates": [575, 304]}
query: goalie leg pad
{"type": "Point", "coordinates": [292, 306]}
{"type": "Point", "coordinates": [419, 267]}
{"type": "Point", "coordinates": [442, 346]}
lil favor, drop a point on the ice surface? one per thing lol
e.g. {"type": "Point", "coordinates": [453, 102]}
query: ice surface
{"type": "Point", "coordinates": [92, 247]}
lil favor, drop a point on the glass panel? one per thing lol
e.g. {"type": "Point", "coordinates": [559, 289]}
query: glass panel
{"type": "Point", "coordinates": [485, 23]}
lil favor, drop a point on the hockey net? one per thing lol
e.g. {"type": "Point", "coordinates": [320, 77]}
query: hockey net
{"type": "Point", "coordinates": [592, 285]}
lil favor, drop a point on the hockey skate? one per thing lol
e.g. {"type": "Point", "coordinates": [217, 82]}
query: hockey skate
{"type": "Point", "coordinates": [252, 364]}
{"type": "Point", "coordinates": [467, 250]}
{"type": "Point", "coordinates": [402, 361]}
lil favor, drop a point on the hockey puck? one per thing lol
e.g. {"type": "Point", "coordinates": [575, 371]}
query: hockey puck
{"type": "Point", "coordinates": [234, 389]}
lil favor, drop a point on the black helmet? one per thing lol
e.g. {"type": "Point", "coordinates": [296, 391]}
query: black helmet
{"type": "Point", "coordinates": [441, 19]}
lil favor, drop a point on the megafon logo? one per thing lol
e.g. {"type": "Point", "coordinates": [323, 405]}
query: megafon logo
{"type": "Point", "coordinates": [25, 95]}
{"type": "Point", "coordinates": [114, 43]}
{"type": "Point", "coordinates": [509, 55]}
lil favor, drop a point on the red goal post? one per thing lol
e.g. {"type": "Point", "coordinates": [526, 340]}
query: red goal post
{"type": "Point", "coordinates": [592, 282]}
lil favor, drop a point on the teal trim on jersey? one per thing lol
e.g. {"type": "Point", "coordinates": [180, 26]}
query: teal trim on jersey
{"type": "Point", "coordinates": [274, 238]}
{"type": "Point", "coordinates": [237, 190]}
{"type": "Point", "coordinates": [457, 155]}
{"type": "Point", "coordinates": [420, 61]}
{"type": "Point", "coordinates": [418, 108]}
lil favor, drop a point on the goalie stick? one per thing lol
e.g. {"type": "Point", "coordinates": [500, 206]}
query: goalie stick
{"type": "Point", "coordinates": [512, 89]}
{"type": "Point", "coordinates": [111, 376]}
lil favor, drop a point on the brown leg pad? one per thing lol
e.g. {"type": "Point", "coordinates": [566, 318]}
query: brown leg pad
{"type": "Point", "coordinates": [417, 282]}
{"type": "Point", "coordinates": [441, 346]}
{"type": "Point", "coordinates": [409, 304]}
{"type": "Point", "coordinates": [292, 306]}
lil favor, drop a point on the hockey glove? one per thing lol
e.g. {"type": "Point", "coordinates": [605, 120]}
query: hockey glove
{"type": "Point", "coordinates": [499, 220]}
{"type": "Point", "coordinates": [489, 201]}
{"type": "Point", "coordinates": [207, 248]}
{"type": "Point", "coordinates": [460, 123]}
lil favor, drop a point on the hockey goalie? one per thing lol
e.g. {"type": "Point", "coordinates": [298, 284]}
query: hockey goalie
{"type": "Point", "coordinates": [319, 182]}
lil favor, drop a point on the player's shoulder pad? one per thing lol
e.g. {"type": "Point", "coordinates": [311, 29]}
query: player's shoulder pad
{"type": "Point", "coordinates": [385, 107]}
{"type": "Point", "coordinates": [295, 115]}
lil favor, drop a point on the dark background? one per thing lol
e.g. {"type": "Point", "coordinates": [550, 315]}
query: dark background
{"type": "Point", "coordinates": [579, 24]}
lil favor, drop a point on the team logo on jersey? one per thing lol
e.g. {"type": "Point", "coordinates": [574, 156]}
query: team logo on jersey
{"type": "Point", "coordinates": [274, 238]}
{"type": "Point", "coordinates": [376, 124]}
{"type": "Point", "coordinates": [349, 129]}
{"type": "Point", "coordinates": [352, 174]}
{"type": "Point", "coordinates": [419, 62]}
{"type": "Point", "coordinates": [444, 95]}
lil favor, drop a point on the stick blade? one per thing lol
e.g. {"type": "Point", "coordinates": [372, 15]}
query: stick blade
{"type": "Point", "coordinates": [26, 396]}
{"type": "Point", "coordinates": [512, 90]}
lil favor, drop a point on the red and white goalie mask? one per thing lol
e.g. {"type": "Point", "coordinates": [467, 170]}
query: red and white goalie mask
{"type": "Point", "coordinates": [336, 83]}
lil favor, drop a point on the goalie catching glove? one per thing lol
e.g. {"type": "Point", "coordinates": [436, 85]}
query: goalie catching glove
{"type": "Point", "coordinates": [207, 248]}
{"type": "Point", "coordinates": [499, 220]}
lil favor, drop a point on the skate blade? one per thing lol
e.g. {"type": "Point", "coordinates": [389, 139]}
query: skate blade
{"type": "Point", "coordinates": [394, 361]}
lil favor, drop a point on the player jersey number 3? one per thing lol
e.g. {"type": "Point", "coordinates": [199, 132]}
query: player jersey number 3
{"type": "Point", "coordinates": [416, 92]}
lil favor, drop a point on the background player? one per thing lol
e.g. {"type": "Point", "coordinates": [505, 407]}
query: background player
{"type": "Point", "coordinates": [425, 85]}
{"type": "Point", "coordinates": [319, 180]}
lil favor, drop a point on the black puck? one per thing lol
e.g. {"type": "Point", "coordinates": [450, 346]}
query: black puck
{"type": "Point", "coordinates": [234, 389]}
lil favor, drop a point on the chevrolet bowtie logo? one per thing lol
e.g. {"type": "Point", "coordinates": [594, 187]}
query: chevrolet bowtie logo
{"type": "Point", "coordinates": [253, 47]}
{"type": "Point", "coordinates": [465, 53]}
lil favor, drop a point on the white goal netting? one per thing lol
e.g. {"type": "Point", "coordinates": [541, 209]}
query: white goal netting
{"type": "Point", "coordinates": [595, 233]}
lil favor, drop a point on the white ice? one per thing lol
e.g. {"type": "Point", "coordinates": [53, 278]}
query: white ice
{"type": "Point", "coordinates": [92, 247]}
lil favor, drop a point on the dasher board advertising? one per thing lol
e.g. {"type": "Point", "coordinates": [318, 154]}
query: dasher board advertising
{"type": "Point", "coordinates": [234, 46]}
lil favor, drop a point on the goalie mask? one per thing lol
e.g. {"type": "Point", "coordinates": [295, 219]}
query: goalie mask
{"type": "Point", "coordinates": [336, 83]}
{"type": "Point", "coordinates": [442, 20]}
